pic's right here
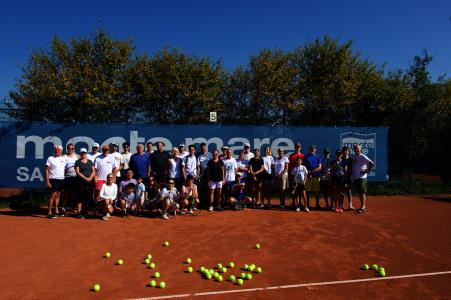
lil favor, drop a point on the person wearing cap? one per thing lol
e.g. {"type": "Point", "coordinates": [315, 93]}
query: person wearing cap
{"type": "Point", "coordinates": [159, 162]}
{"type": "Point", "coordinates": [70, 178]}
{"type": "Point", "coordinates": [182, 152]}
{"type": "Point", "coordinates": [169, 196]}
{"type": "Point", "coordinates": [84, 168]}
{"type": "Point", "coordinates": [126, 155]}
{"type": "Point", "coordinates": [338, 171]}
{"type": "Point", "coordinates": [281, 175]}
{"type": "Point", "coordinates": [292, 159]}
{"type": "Point", "coordinates": [118, 161]}
{"type": "Point", "coordinates": [247, 153]}
{"type": "Point", "coordinates": [238, 199]}
{"type": "Point", "coordinates": [361, 166]}
{"type": "Point", "coordinates": [324, 183]}
{"type": "Point", "coordinates": [54, 178]}
{"type": "Point", "coordinates": [95, 152]}
{"type": "Point", "coordinates": [312, 162]}
{"type": "Point", "coordinates": [104, 165]}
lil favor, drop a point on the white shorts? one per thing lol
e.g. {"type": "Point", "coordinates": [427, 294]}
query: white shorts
{"type": "Point", "coordinates": [215, 185]}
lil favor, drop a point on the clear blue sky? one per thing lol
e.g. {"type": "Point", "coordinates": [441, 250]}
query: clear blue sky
{"type": "Point", "coordinates": [391, 32]}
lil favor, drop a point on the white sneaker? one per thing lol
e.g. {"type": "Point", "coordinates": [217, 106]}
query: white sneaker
{"type": "Point", "coordinates": [298, 209]}
{"type": "Point", "coordinates": [306, 209]}
{"type": "Point", "coordinates": [166, 217]}
{"type": "Point", "coordinates": [190, 211]}
{"type": "Point", "coordinates": [105, 218]}
{"type": "Point", "coordinates": [210, 208]}
{"type": "Point", "coordinates": [107, 215]}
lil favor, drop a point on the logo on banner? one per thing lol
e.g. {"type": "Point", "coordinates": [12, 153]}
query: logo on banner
{"type": "Point", "coordinates": [366, 141]}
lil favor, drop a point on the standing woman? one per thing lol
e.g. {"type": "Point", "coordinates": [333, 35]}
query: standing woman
{"type": "Point", "coordinates": [338, 170]}
{"type": "Point", "coordinates": [177, 169]}
{"type": "Point", "coordinates": [84, 168]}
{"type": "Point", "coordinates": [107, 196]}
{"type": "Point", "coordinates": [268, 162]}
{"type": "Point", "coordinates": [281, 175]}
{"type": "Point", "coordinates": [70, 178]}
{"type": "Point", "coordinates": [215, 175]}
{"type": "Point", "coordinates": [256, 169]}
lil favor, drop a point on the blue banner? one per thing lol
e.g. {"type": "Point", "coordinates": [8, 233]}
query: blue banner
{"type": "Point", "coordinates": [24, 149]}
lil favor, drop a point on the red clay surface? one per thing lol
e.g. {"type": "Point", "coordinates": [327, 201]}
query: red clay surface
{"type": "Point", "coordinates": [62, 259]}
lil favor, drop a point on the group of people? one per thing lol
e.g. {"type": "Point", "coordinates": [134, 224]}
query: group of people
{"type": "Point", "coordinates": [183, 181]}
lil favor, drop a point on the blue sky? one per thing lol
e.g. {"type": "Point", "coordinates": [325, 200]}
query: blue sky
{"type": "Point", "coordinates": [391, 32]}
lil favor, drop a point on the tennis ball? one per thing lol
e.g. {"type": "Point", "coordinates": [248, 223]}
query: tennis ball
{"type": "Point", "coordinates": [374, 267]}
{"type": "Point", "coordinates": [162, 285]}
{"type": "Point", "coordinates": [108, 255]}
{"type": "Point", "coordinates": [246, 267]}
{"type": "Point", "coordinates": [219, 266]}
{"type": "Point", "coordinates": [208, 275]}
{"type": "Point", "coordinates": [224, 270]}
{"type": "Point", "coordinates": [240, 281]}
{"type": "Point", "coordinates": [188, 260]}
{"type": "Point", "coordinates": [149, 256]}
{"type": "Point", "coordinates": [152, 283]}
{"type": "Point", "coordinates": [258, 270]}
{"type": "Point", "coordinates": [156, 275]}
{"type": "Point", "coordinates": [202, 269]}
{"type": "Point", "coordinates": [166, 243]}
{"type": "Point", "coordinates": [232, 264]}
{"type": "Point", "coordinates": [249, 276]}
{"type": "Point", "coordinates": [152, 265]}
{"type": "Point", "coordinates": [96, 287]}
{"type": "Point", "coordinates": [219, 278]}
{"type": "Point", "coordinates": [147, 261]}
{"type": "Point", "coordinates": [211, 271]}
{"type": "Point", "coordinates": [257, 246]}
{"type": "Point", "coordinates": [120, 262]}
{"type": "Point", "coordinates": [215, 274]}
{"type": "Point", "coordinates": [382, 273]}
{"type": "Point", "coordinates": [365, 267]}
{"type": "Point", "coordinates": [190, 270]}
{"type": "Point", "coordinates": [251, 268]}
{"type": "Point", "coordinates": [232, 278]}
{"type": "Point", "coordinates": [243, 275]}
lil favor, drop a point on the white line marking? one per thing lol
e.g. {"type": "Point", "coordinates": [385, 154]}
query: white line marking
{"type": "Point", "coordinates": [295, 286]}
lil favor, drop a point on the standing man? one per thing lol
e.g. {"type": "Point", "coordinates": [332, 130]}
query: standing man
{"type": "Point", "coordinates": [118, 161]}
{"type": "Point", "coordinates": [182, 152]}
{"type": "Point", "coordinates": [204, 157]}
{"type": "Point", "coordinates": [149, 149]}
{"type": "Point", "coordinates": [312, 162]}
{"type": "Point", "coordinates": [54, 179]}
{"type": "Point", "coordinates": [361, 166]}
{"type": "Point", "coordinates": [347, 191]}
{"type": "Point", "coordinates": [192, 163]}
{"type": "Point", "coordinates": [95, 152]}
{"type": "Point", "coordinates": [325, 177]}
{"type": "Point", "coordinates": [140, 163]}
{"type": "Point", "coordinates": [104, 164]}
{"type": "Point", "coordinates": [159, 161]}
{"type": "Point", "coordinates": [247, 153]}
{"type": "Point", "coordinates": [126, 155]}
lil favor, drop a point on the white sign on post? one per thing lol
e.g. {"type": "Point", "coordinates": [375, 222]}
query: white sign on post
{"type": "Point", "coordinates": [213, 116]}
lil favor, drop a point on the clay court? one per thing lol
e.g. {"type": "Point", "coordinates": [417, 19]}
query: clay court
{"type": "Point", "coordinates": [316, 255]}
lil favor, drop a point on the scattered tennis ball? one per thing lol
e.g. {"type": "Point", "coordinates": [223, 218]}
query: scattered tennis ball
{"type": "Point", "coordinates": [156, 275]}
{"type": "Point", "coordinates": [190, 269]}
{"type": "Point", "coordinates": [374, 267]}
{"type": "Point", "coordinates": [382, 273]}
{"type": "Point", "coordinates": [257, 246]}
{"type": "Point", "coordinates": [152, 283]}
{"type": "Point", "coordinates": [258, 270]}
{"type": "Point", "coordinates": [166, 244]}
{"type": "Point", "coordinates": [243, 275]}
{"type": "Point", "coordinates": [162, 285]}
{"type": "Point", "coordinates": [96, 287]}
{"type": "Point", "coordinates": [149, 256]}
{"type": "Point", "coordinates": [232, 278]}
{"type": "Point", "coordinates": [219, 266]}
{"type": "Point", "coordinates": [188, 260]}
{"type": "Point", "coordinates": [224, 270]}
{"type": "Point", "coordinates": [120, 262]}
{"type": "Point", "coordinates": [246, 267]}
{"type": "Point", "coordinates": [211, 271]}
{"type": "Point", "coordinates": [365, 267]}
{"type": "Point", "coordinates": [147, 261]}
{"type": "Point", "coordinates": [240, 281]}
{"type": "Point", "coordinates": [107, 255]}
{"type": "Point", "coordinates": [202, 269]}
{"type": "Point", "coordinates": [219, 278]}
{"type": "Point", "coordinates": [232, 264]}
{"type": "Point", "coordinates": [251, 268]}
{"type": "Point", "coordinates": [208, 275]}
{"type": "Point", "coordinates": [152, 265]}
{"type": "Point", "coordinates": [215, 274]}
{"type": "Point", "coordinates": [249, 276]}
{"type": "Point", "coordinates": [381, 269]}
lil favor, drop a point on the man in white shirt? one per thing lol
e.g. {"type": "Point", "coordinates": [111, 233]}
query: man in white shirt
{"type": "Point", "coordinates": [191, 162]}
{"type": "Point", "coordinates": [247, 153]}
{"type": "Point", "coordinates": [361, 166]}
{"type": "Point", "coordinates": [55, 168]}
{"type": "Point", "coordinates": [95, 152]}
{"type": "Point", "coordinates": [126, 155]}
{"type": "Point", "coordinates": [118, 161]}
{"type": "Point", "coordinates": [204, 157]}
{"type": "Point", "coordinates": [182, 151]}
{"type": "Point", "coordinates": [104, 164]}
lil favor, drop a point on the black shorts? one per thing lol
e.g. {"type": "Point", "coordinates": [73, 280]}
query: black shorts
{"type": "Point", "coordinates": [70, 184]}
{"type": "Point", "coordinates": [57, 185]}
{"type": "Point", "coordinates": [266, 176]}
{"type": "Point", "coordinates": [300, 187]}
{"type": "Point", "coordinates": [324, 184]}
{"type": "Point", "coordinates": [337, 180]}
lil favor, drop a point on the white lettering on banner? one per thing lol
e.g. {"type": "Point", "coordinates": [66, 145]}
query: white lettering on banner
{"type": "Point", "coordinates": [114, 139]}
{"type": "Point", "coordinates": [279, 143]}
{"type": "Point", "coordinates": [167, 144]}
{"type": "Point", "coordinates": [367, 143]}
{"type": "Point", "coordinates": [23, 174]}
{"type": "Point", "coordinates": [237, 148]}
{"type": "Point", "coordinates": [214, 140]}
{"type": "Point", "coordinates": [258, 143]}
{"type": "Point", "coordinates": [81, 139]}
{"type": "Point", "coordinates": [135, 139]}
{"type": "Point", "coordinates": [38, 145]}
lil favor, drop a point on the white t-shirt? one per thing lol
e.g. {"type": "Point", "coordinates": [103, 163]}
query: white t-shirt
{"type": "Point", "coordinates": [57, 167]}
{"type": "Point", "coordinates": [175, 167]}
{"type": "Point", "coordinates": [118, 161]}
{"type": "Point", "coordinates": [299, 173]}
{"type": "Point", "coordinates": [108, 191]}
{"type": "Point", "coordinates": [279, 164]}
{"type": "Point", "coordinates": [92, 157]}
{"type": "Point", "coordinates": [360, 163]}
{"type": "Point", "coordinates": [248, 156]}
{"type": "Point", "coordinates": [268, 161]}
{"type": "Point", "coordinates": [104, 165]}
{"type": "Point", "coordinates": [191, 163]}
{"type": "Point", "coordinates": [230, 167]}
{"type": "Point", "coordinates": [204, 158]}
{"type": "Point", "coordinates": [171, 194]}
{"type": "Point", "coordinates": [242, 164]}
{"type": "Point", "coordinates": [126, 158]}
{"type": "Point", "coordinates": [182, 156]}
{"type": "Point", "coordinates": [70, 165]}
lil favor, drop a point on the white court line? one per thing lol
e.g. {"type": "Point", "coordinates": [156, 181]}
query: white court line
{"type": "Point", "coordinates": [295, 286]}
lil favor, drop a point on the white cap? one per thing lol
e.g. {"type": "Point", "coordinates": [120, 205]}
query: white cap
{"type": "Point", "coordinates": [96, 145]}
{"type": "Point", "coordinates": [83, 150]}
{"type": "Point", "coordinates": [247, 145]}
{"type": "Point", "coordinates": [182, 145]}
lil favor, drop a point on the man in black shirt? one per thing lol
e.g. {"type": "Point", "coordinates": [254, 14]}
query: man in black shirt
{"type": "Point", "coordinates": [159, 162]}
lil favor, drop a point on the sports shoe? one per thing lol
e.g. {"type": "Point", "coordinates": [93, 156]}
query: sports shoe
{"type": "Point", "coordinates": [298, 209]}
{"type": "Point", "coordinates": [195, 208]}
{"type": "Point", "coordinates": [210, 208]}
{"type": "Point", "coordinates": [60, 214]}
{"type": "Point", "coordinates": [107, 215]}
{"type": "Point", "coordinates": [262, 205]}
{"type": "Point", "coordinates": [337, 210]}
{"type": "Point", "coordinates": [340, 210]}
{"type": "Point", "coordinates": [105, 218]}
{"type": "Point", "coordinates": [165, 217]}
{"type": "Point", "coordinates": [51, 217]}
{"type": "Point", "coordinates": [281, 206]}
{"type": "Point", "coordinates": [306, 209]}
{"type": "Point", "coordinates": [79, 216]}
{"type": "Point", "coordinates": [190, 211]}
